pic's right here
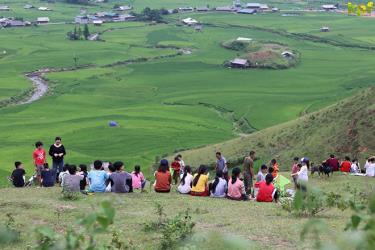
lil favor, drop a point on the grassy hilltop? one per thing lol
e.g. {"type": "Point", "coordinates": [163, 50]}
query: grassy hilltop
{"type": "Point", "coordinates": [166, 101]}
{"type": "Point", "coordinates": [345, 128]}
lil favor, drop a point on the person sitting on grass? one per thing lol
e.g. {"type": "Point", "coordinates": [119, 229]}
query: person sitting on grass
{"type": "Point", "coordinates": [355, 168]}
{"type": "Point", "coordinates": [108, 184]}
{"type": "Point", "coordinates": [121, 181]}
{"type": "Point", "coordinates": [83, 172]}
{"type": "Point", "coordinates": [48, 176]}
{"type": "Point", "coordinates": [236, 187]}
{"type": "Point", "coordinates": [65, 171]}
{"type": "Point", "coordinates": [267, 192]}
{"type": "Point", "coordinates": [345, 165]}
{"type": "Point", "coordinates": [72, 181]}
{"type": "Point", "coordinates": [302, 174]}
{"type": "Point", "coordinates": [176, 166]}
{"type": "Point", "coordinates": [218, 188]}
{"type": "Point", "coordinates": [163, 178]}
{"type": "Point", "coordinates": [370, 166]}
{"type": "Point", "coordinates": [261, 176]}
{"type": "Point", "coordinates": [18, 175]}
{"type": "Point", "coordinates": [97, 178]}
{"type": "Point", "coordinates": [200, 182]}
{"type": "Point", "coordinates": [186, 180]}
{"type": "Point", "coordinates": [138, 179]}
{"type": "Point", "coordinates": [275, 167]}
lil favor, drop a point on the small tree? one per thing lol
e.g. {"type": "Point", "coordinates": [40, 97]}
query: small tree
{"type": "Point", "coordinates": [79, 35]}
{"type": "Point", "coordinates": [86, 32]}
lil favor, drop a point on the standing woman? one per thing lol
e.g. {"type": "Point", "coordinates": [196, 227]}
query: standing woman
{"type": "Point", "coordinates": [57, 152]}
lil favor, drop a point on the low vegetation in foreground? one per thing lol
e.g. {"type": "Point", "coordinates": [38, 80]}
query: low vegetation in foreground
{"type": "Point", "coordinates": [149, 220]}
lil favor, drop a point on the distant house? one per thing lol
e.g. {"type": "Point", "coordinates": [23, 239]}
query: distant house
{"type": "Point", "coordinates": [324, 29]}
{"type": "Point", "coordinates": [247, 11]}
{"type": "Point", "coordinates": [225, 9]}
{"type": "Point", "coordinates": [44, 9]}
{"type": "Point", "coordinates": [16, 23]}
{"type": "Point", "coordinates": [124, 18]}
{"type": "Point", "coordinates": [329, 7]}
{"type": "Point", "coordinates": [202, 9]}
{"type": "Point", "coordinates": [239, 63]}
{"type": "Point", "coordinates": [42, 20]}
{"type": "Point", "coordinates": [4, 8]}
{"type": "Point", "coordinates": [263, 7]}
{"type": "Point", "coordinates": [81, 19]}
{"type": "Point", "coordinates": [186, 9]}
{"type": "Point", "coordinates": [189, 21]}
{"type": "Point", "coordinates": [243, 39]}
{"type": "Point", "coordinates": [275, 10]}
{"type": "Point", "coordinates": [97, 22]}
{"type": "Point", "coordinates": [28, 6]}
{"type": "Point", "coordinates": [123, 8]}
{"type": "Point", "coordinates": [254, 6]}
{"type": "Point", "coordinates": [287, 54]}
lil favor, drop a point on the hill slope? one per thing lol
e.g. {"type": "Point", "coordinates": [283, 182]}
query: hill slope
{"type": "Point", "coordinates": [346, 128]}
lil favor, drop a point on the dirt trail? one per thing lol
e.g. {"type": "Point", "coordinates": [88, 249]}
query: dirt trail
{"type": "Point", "coordinates": [40, 87]}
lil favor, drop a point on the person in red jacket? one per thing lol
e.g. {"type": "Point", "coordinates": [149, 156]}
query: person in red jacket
{"type": "Point", "coordinates": [346, 165]}
{"type": "Point", "coordinates": [39, 157]}
{"type": "Point", "coordinates": [176, 166]}
{"type": "Point", "coordinates": [267, 192]}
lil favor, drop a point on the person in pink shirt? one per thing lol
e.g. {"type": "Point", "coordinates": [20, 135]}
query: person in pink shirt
{"type": "Point", "coordinates": [236, 187]}
{"type": "Point", "coordinates": [138, 179]}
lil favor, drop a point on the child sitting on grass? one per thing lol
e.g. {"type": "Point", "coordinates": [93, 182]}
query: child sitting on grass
{"type": "Point", "coordinates": [236, 187]}
{"type": "Point", "coordinates": [138, 179]}
{"type": "Point", "coordinates": [261, 176]}
{"type": "Point", "coordinates": [186, 180]}
{"type": "Point", "coordinates": [121, 181]}
{"type": "Point", "coordinates": [65, 171]}
{"type": "Point", "coordinates": [218, 188]}
{"type": "Point", "coordinates": [48, 176]}
{"type": "Point", "coordinates": [72, 181]}
{"type": "Point", "coordinates": [97, 178]}
{"type": "Point", "coordinates": [267, 192]}
{"type": "Point", "coordinates": [83, 172]}
{"type": "Point", "coordinates": [18, 175]}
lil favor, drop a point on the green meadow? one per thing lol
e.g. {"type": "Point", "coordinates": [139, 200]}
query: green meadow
{"type": "Point", "coordinates": [164, 100]}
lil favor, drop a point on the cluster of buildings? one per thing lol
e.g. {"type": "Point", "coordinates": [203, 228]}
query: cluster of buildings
{"type": "Point", "coordinates": [26, 6]}
{"type": "Point", "coordinates": [236, 7]}
{"type": "Point", "coordinates": [9, 22]}
{"type": "Point", "coordinates": [103, 17]}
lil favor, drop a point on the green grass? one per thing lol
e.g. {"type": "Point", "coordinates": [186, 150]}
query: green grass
{"type": "Point", "coordinates": [168, 104]}
{"type": "Point", "coordinates": [265, 226]}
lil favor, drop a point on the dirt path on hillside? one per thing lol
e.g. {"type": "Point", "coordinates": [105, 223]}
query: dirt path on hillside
{"type": "Point", "coordinates": [40, 88]}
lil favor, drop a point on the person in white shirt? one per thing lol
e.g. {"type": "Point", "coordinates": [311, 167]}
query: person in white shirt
{"type": "Point", "coordinates": [218, 188]}
{"type": "Point", "coordinates": [370, 167]}
{"type": "Point", "coordinates": [302, 175]}
{"type": "Point", "coordinates": [186, 180]}
{"type": "Point", "coordinates": [355, 167]}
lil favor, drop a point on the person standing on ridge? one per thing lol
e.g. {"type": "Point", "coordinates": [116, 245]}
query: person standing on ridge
{"type": "Point", "coordinates": [221, 165]}
{"type": "Point", "coordinates": [248, 171]}
{"type": "Point", "coordinates": [57, 152]}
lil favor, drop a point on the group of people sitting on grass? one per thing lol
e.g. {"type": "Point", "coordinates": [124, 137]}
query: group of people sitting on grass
{"type": "Point", "coordinates": [237, 185]}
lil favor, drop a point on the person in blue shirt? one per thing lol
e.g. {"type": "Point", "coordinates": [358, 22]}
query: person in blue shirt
{"type": "Point", "coordinates": [97, 178]}
{"type": "Point", "coordinates": [47, 176]}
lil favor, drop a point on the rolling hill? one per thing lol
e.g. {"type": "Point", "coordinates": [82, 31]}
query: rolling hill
{"type": "Point", "coordinates": [345, 128]}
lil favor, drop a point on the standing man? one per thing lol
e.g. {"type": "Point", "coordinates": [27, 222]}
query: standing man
{"type": "Point", "coordinates": [57, 152]}
{"type": "Point", "coordinates": [333, 163]}
{"type": "Point", "coordinates": [248, 171]}
{"type": "Point", "coordinates": [39, 157]}
{"type": "Point", "coordinates": [221, 165]}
